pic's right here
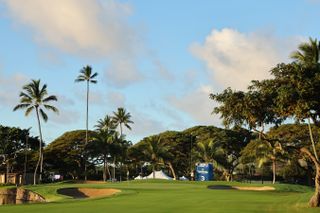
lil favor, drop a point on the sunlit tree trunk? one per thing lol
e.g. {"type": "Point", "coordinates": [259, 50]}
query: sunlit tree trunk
{"type": "Point", "coordinates": [172, 171]}
{"type": "Point", "coordinates": [315, 199]}
{"type": "Point", "coordinates": [40, 161]}
{"type": "Point", "coordinates": [273, 170]}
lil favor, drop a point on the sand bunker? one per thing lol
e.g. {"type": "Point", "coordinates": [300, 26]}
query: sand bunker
{"type": "Point", "coordinates": [248, 188]}
{"type": "Point", "coordinates": [87, 192]}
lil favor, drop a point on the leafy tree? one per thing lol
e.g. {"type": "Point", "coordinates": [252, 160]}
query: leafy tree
{"type": "Point", "coordinates": [255, 109]}
{"type": "Point", "coordinates": [65, 154]}
{"type": "Point", "coordinates": [87, 76]}
{"type": "Point", "coordinates": [35, 97]}
{"type": "Point", "coordinates": [297, 86]}
{"type": "Point", "coordinates": [13, 144]}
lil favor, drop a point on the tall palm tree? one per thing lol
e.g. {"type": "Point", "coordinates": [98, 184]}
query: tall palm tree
{"type": "Point", "coordinates": [308, 55]}
{"type": "Point", "coordinates": [121, 117]}
{"type": "Point", "coordinates": [87, 76]}
{"type": "Point", "coordinates": [34, 97]}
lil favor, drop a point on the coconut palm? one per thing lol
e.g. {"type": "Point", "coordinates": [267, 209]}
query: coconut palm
{"type": "Point", "coordinates": [155, 152]}
{"type": "Point", "coordinates": [208, 151]}
{"type": "Point", "coordinates": [102, 143]}
{"type": "Point", "coordinates": [307, 53]}
{"type": "Point", "coordinates": [87, 76]}
{"type": "Point", "coordinates": [121, 117]}
{"type": "Point", "coordinates": [34, 97]}
{"type": "Point", "coordinates": [105, 124]}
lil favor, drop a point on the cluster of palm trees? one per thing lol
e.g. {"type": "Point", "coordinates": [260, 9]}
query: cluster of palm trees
{"type": "Point", "coordinates": [34, 97]}
{"type": "Point", "coordinates": [110, 143]}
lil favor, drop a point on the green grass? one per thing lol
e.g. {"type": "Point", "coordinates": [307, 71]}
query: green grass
{"type": "Point", "coordinates": [164, 196]}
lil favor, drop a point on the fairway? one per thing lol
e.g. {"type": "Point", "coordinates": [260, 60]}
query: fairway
{"type": "Point", "coordinates": [164, 196]}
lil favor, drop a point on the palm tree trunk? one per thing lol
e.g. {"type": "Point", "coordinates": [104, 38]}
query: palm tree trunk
{"type": "Point", "coordinates": [274, 171]}
{"type": "Point", "coordinates": [315, 199]}
{"type": "Point", "coordinates": [153, 171]}
{"type": "Point", "coordinates": [312, 141]}
{"type": "Point", "coordinates": [104, 169]}
{"type": "Point", "coordinates": [87, 118]}
{"type": "Point", "coordinates": [114, 169]}
{"type": "Point", "coordinates": [120, 130]}
{"type": "Point", "coordinates": [108, 170]}
{"type": "Point", "coordinates": [40, 153]}
{"type": "Point", "coordinates": [172, 171]}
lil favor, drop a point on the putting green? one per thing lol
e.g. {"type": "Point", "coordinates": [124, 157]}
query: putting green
{"type": "Point", "coordinates": [175, 196]}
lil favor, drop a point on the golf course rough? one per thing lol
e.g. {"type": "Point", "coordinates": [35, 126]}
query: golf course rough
{"type": "Point", "coordinates": [158, 196]}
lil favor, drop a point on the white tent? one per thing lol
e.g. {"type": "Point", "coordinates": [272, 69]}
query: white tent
{"type": "Point", "coordinates": [159, 175]}
{"type": "Point", "coordinates": [139, 177]}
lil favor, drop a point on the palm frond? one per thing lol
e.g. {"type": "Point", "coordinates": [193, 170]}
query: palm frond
{"type": "Point", "coordinates": [52, 108]}
{"type": "Point", "coordinates": [29, 110]}
{"type": "Point", "coordinates": [21, 106]}
{"type": "Point", "coordinates": [50, 98]}
{"type": "Point", "coordinates": [43, 115]}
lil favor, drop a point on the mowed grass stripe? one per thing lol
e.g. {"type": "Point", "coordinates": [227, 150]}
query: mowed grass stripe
{"type": "Point", "coordinates": [162, 196]}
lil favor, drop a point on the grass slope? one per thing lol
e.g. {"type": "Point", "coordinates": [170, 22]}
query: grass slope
{"type": "Point", "coordinates": [163, 196]}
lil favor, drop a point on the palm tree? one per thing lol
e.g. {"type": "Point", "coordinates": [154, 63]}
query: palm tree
{"type": "Point", "coordinates": [35, 97]}
{"type": "Point", "coordinates": [307, 53]}
{"type": "Point", "coordinates": [89, 77]}
{"type": "Point", "coordinates": [208, 151]}
{"type": "Point", "coordinates": [155, 152]}
{"type": "Point", "coordinates": [102, 143]}
{"type": "Point", "coordinates": [122, 117]}
{"type": "Point", "coordinates": [105, 124]}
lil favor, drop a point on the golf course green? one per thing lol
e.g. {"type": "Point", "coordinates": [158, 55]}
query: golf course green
{"type": "Point", "coordinates": [170, 196]}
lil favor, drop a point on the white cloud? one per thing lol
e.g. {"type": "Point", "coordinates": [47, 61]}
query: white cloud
{"type": "Point", "coordinates": [197, 105]}
{"type": "Point", "coordinates": [87, 28]}
{"type": "Point", "coordinates": [234, 59]}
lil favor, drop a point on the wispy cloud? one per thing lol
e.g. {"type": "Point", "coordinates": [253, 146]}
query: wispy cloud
{"type": "Point", "coordinates": [87, 28]}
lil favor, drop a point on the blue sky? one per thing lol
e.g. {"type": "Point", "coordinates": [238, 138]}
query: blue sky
{"type": "Point", "coordinates": [158, 59]}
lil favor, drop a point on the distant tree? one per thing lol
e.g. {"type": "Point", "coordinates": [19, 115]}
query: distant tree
{"type": "Point", "coordinates": [13, 145]}
{"type": "Point", "coordinates": [155, 152]}
{"type": "Point", "coordinates": [100, 149]}
{"type": "Point", "coordinates": [65, 154]}
{"type": "Point", "coordinates": [105, 124]}
{"type": "Point", "coordinates": [35, 97]}
{"type": "Point", "coordinates": [121, 117]}
{"type": "Point", "coordinates": [87, 76]}
{"type": "Point", "coordinates": [255, 109]}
